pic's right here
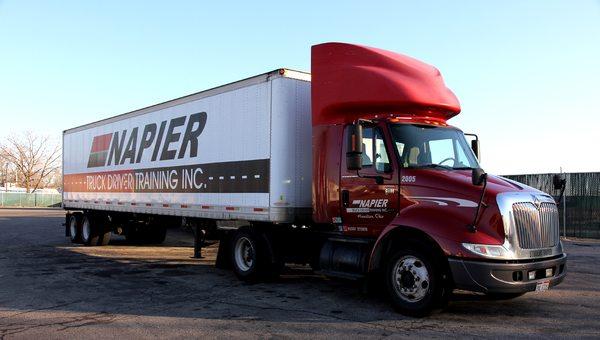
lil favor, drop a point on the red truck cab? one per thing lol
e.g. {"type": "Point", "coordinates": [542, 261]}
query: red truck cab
{"type": "Point", "coordinates": [390, 170]}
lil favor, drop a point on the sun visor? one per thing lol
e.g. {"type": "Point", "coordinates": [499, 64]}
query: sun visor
{"type": "Point", "coordinates": [352, 81]}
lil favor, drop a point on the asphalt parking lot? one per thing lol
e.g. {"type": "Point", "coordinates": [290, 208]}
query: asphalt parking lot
{"type": "Point", "coordinates": [51, 289]}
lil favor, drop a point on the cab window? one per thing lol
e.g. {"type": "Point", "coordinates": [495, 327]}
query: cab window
{"type": "Point", "coordinates": [375, 154]}
{"type": "Point", "coordinates": [440, 150]}
{"type": "Point", "coordinates": [382, 161]}
{"type": "Point", "coordinates": [367, 145]}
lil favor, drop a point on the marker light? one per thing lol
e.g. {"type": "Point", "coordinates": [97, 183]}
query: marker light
{"type": "Point", "coordinates": [487, 250]}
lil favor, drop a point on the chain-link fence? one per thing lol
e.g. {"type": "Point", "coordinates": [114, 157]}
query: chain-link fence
{"type": "Point", "coordinates": [582, 201]}
{"type": "Point", "coordinates": [22, 199]}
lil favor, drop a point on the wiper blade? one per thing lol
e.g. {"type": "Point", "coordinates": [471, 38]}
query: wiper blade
{"type": "Point", "coordinates": [432, 166]}
{"type": "Point", "coordinates": [463, 168]}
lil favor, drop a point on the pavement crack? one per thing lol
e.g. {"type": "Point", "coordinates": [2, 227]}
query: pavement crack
{"type": "Point", "coordinates": [73, 322]}
{"type": "Point", "coordinates": [40, 309]}
{"type": "Point", "coordinates": [87, 320]}
{"type": "Point", "coordinates": [386, 328]}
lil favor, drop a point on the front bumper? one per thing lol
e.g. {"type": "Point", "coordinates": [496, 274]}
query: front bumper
{"type": "Point", "coordinates": [494, 277]}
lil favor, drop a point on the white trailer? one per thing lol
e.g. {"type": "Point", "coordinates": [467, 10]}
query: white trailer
{"type": "Point", "coordinates": [239, 151]}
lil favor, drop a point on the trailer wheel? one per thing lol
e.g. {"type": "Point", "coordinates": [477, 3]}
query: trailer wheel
{"type": "Point", "coordinates": [104, 238]}
{"type": "Point", "coordinates": [89, 231]}
{"type": "Point", "coordinates": [75, 228]}
{"type": "Point", "coordinates": [414, 282]}
{"type": "Point", "coordinates": [247, 257]}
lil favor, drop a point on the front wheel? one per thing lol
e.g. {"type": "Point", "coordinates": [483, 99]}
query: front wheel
{"type": "Point", "coordinates": [414, 282]}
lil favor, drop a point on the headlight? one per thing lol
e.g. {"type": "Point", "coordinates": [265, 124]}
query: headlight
{"type": "Point", "coordinates": [487, 250]}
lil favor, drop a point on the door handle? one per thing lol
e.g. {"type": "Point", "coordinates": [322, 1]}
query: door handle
{"type": "Point", "coordinates": [345, 198]}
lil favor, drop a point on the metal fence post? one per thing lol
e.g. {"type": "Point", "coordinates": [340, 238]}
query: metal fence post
{"type": "Point", "coordinates": [565, 211]}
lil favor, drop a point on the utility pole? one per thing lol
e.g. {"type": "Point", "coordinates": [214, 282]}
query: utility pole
{"type": "Point", "coordinates": [567, 185]}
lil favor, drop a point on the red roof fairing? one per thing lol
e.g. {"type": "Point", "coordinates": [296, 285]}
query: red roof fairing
{"type": "Point", "coordinates": [352, 81]}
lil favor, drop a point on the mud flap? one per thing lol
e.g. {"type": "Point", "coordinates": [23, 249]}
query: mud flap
{"type": "Point", "coordinates": [224, 252]}
{"type": "Point", "coordinates": [66, 224]}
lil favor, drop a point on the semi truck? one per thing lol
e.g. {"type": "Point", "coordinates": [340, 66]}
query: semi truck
{"type": "Point", "coordinates": [352, 169]}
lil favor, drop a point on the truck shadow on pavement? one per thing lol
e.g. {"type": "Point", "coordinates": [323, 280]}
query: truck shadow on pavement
{"type": "Point", "coordinates": [47, 285]}
{"type": "Point", "coordinates": [166, 281]}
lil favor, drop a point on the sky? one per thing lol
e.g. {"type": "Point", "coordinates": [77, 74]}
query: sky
{"type": "Point", "coordinates": [527, 73]}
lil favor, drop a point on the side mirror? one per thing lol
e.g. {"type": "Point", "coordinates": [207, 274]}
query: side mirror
{"type": "Point", "coordinates": [558, 182]}
{"type": "Point", "coordinates": [478, 176]}
{"type": "Point", "coordinates": [355, 150]}
{"type": "Point", "coordinates": [475, 148]}
{"type": "Point", "coordinates": [475, 145]}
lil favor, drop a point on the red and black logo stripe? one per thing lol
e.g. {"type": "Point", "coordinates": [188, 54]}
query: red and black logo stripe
{"type": "Point", "coordinates": [99, 151]}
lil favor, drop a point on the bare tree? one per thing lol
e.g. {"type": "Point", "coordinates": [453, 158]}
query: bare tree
{"type": "Point", "coordinates": [35, 158]}
{"type": "Point", "coordinates": [4, 164]}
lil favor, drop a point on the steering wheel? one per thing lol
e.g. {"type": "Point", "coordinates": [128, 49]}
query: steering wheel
{"type": "Point", "coordinates": [448, 159]}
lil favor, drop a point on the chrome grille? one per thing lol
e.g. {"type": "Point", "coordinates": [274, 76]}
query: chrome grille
{"type": "Point", "coordinates": [536, 228]}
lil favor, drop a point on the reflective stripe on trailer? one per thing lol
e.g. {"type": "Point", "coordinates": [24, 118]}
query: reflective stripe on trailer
{"type": "Point", "coordinates": [180, 206]}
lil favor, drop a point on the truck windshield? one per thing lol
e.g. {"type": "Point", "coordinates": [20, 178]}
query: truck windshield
{"type": "Point", "coordinates": [424, 146]}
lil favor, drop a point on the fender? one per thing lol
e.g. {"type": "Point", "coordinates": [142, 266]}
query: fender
{"type": "Point", "coordinates": [442, 226]}
{"type": "Point", "coordinates": [388, 234]}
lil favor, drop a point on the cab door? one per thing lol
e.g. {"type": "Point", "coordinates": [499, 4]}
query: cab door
{"type": "Point", "coordinates": [369, 197]}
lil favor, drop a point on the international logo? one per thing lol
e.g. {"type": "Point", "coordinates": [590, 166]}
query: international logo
{"type": "Point", "coordinates": [536, 202]}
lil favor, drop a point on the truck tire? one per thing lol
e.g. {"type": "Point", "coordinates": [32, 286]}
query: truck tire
{"type": "Point", "coordinates": [104, 237]}
{"type": "Point", "coordinates": [75, 228]}
{"type": "Point", "coordinates": [414, 282]}
{"type": "Point", "coordinates": [248, 257]}
{"type": "Point", "coordinates": [89, 231]}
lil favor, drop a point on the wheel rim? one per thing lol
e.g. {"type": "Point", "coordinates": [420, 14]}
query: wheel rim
{"type": "Point", "coordinates": [73, 228]}
{"type": "Point", "coordinates": [86, 230]}
{"type": "Point", "coordinates": [410, 279]}
{"type": "Point", "coordinates": [244, 254]}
